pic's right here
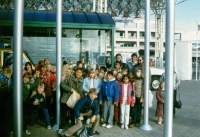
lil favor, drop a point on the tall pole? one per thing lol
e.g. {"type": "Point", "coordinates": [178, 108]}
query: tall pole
{"type": "Point", "coordinates": [17, 56]}
{"type": "Point", "coordinates": [197, 48]}
{"type": "Point", "coordinates": [169, 73]}
{"type": "Point", "coordinates": [58, 59]}
{"type": "Point", "coordinates": [146, 125]}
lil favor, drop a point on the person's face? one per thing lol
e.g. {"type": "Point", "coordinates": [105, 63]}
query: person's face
{"type": "Point", "coordinates": [68, 73]}
{"type": "Point", "coordinates": [109, 77]}
{"type": "Point", "coordinates": [80, 65]}
{"type": "Point", "coordinates": [48, 68]}
{"type": "Point", "coordinates": [83, 61]}
{"type": "Point", "coordinates": [139, 73]}
{"type": "Point", "coordinates": [92, 96]}
{"type": "Point", "coordinates": [133, 83]}
{"type": "Point", "coordinates": [124, 72]}
{"type": "Point", "coordinates": [119, 76]}
{"type": "Point", "coordinates": [102, 71]}
{"type": "Point", "coordinates": [92, 74]}
{"type": "Point", "coordinates": [118, 58]}
{"type": "Point", "coordinates": [28, 67]}
{"type": "Point", "coordinates": [96, 72]}
{"type": "Point", "coordinates": [117, 66]}
{"type": "Point", "coordinates": [46, 61]}
{"type": "Point", "coordinates": [125, 80]}
{"type": "Point", "coordinates": [26, 79]}
{"type": "Point", "coordinates": [101, 75]}
{"type": "Point", "coordinates": [130, 74]}
{"type": "Point", "coordinates": [40, 90]}
{"type": "Point", "coordinates": [140, 60]}
{"type": "Point", "coordinates": [78, 73]}
{"type": "Point", "coordinates": [134, 58]}
{"type": "Point", "coordinates": [162, 85]}
{"type": "Point", "coordinates": [43, 69]}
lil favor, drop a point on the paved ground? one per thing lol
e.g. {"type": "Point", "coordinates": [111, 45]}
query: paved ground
{"type": "Point", "coordinates": [185, 124]}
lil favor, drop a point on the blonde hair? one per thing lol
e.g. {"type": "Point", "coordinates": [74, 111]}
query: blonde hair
{"type": "Point", "coordinates": [93, 91]}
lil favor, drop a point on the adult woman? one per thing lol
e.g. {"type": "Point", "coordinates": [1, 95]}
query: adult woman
{"type": "Point", "coordinates": [27, 68]}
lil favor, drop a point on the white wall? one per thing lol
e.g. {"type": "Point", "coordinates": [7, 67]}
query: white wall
{"type": "Point", "coordinates": [183, 60]}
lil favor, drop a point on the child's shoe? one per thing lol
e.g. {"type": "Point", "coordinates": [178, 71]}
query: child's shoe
{"type": "Point", "coordinates": [131, 125]}
{"type": "Point", "coordinates": [108, 126]}
{"type": "Point", "coordinates": [122, 126]}
{"type": "Point", "coordinates": [159, 120]}
{"type": "Point", "coordinates": [104, 125]}
{"type": "Point", "coordinates": [126, 127]}
{"type": "Point", "coordinates": [27, 132]}
{"type": "Point", "coordinates": [48, 127]}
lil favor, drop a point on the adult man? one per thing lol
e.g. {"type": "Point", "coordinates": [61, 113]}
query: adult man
{"type": "Point", "coordinates": [131, 64]}
{"type": "Point", "coordinates": [176, 83]}
{"type": "Point", "coordinates": [87, 106]}
{"type": "Point", "coordinates": [118, 58]}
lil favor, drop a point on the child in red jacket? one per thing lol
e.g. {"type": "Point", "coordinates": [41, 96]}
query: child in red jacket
{"type": "Point", "coordinates": [125, 100]}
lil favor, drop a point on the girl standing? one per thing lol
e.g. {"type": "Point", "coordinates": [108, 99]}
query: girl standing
{"type": "Point", "coordinates": [125, 100]}
{"type": "Point", "coordinates": [160, 94]}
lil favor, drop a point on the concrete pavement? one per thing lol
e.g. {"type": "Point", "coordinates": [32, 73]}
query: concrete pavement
{"type": "Point", "coordinates": [185, 124]}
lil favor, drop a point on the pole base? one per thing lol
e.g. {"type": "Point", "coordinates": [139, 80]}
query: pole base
{"type": "Point", "coordinates": [55, 127]}
{"type": "Point", "coordinates": [146, 127]}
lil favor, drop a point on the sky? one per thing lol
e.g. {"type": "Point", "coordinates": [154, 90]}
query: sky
{"type": "Point", "coordinates": [187, 14]}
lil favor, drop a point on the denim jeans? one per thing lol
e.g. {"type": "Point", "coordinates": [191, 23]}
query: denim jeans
{"type": "Point", "coordinates": [45, 113]}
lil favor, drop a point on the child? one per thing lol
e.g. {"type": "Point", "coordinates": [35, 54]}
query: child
{"type": "Point", "coordinates": [108, 94]}
{"type": "Point", "coordinates": [37, 104]}
{"type": "Point", "coordinates": [137, 109]}
{"type": "Point", "coordinates": [125, 99]}
{"type": "Point", "coordinates": [118, 66]}
{"type": "Point", "coordinates": [160, 94]}
{"type": "Point", "coordinates": [117, 108]}
{"type": "Point", "coordinates": [27, 88]}
{"type": "Point", "coordinates": [86, 106]}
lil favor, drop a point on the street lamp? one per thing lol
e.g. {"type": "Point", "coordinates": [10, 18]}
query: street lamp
{"type": "Point", "coordinates": [196, 47]}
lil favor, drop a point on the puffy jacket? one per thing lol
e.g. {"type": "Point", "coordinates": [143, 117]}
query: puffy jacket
{"type": "Point", "coordinates": [84, 105]}
{"type": "Point", "coordinates": [109, 90]}
{"type": "Point", "coordinates": [69, 83]}
{"type": "Point", "coordinates": [130, 99]}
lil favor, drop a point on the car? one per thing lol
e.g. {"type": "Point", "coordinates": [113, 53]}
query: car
{"type": "Point", "coordinates": [155, 77]}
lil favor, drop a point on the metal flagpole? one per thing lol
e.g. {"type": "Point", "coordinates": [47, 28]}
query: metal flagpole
{"type": "Point", "coordinates": [17, 57]}
{"type": "Point", "coordinates": [169, 73]}
{"type": "Point", "coordinates": [58, 60]}
{"type": "Point", "coordinates": [197, 56]}
{"type": "Point", "coordinates": [146, 125]}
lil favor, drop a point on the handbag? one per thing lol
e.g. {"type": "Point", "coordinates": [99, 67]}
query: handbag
{"type": "Point", "coordinates": [72, 100]}
{"type": "Point", "coordinates": [178, 104]}
{"type": "Point", "coordinates": [85, 131]}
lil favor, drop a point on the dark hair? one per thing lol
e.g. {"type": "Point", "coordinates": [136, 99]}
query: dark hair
{"type": "Point", "coordinates": [93, 91]}
{"type": "Point", "coordinates": [118, 54]}
{"type": "Point", "coordinates": [110, 73]}
{"type": "Point", "coordinates": [161, 83]}
{"type": "Point", "coordinates": [118, 62]}
{"type": "Point", "coordinates": [28, 63]}
{"type": "Point", "coordinates": [78, 68]}
{"type": "Point", "coordinates": [28, 75]}
{"type": "Point", "coordinates": [125, 76]}
{"type": "Point", "coordinates": [134, 54]}
{"type": "Point", "coordinates": [103, 67]}
{"type": "Point", "coordinates": [78, 63]}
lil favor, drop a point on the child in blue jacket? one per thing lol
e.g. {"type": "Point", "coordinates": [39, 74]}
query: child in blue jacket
{"type": "Point", "coordinates": [108, 95]}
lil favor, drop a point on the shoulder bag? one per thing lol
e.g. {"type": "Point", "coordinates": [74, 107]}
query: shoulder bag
{"type": "Point", "coordinates": [178, 104]}
{"type": "Point", "coordinates": [72, 100]}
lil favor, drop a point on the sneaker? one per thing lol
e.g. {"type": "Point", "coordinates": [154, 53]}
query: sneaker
{"type": "Point", "coordinates": [96, 132]}
{"type": "Point", "coordinates": [48, 127]}
{"type": "Point", "coordinates": [27, 132]}
{"type": "Point", "coordinates": [62, 134]}
{"type": "Point", "coordinates": [104, 125]}
{"type": "Point", "coordinates": [126, 127]}
{"type": "Point", "coordinates": [88, 121]}
{"type": "Point", "coordinates": [131, 125]}
{"type": "Point", "coordinates": [122, 126]}
{"type": "Point", "coordinates": [108, 126]}
{"type": "Point", "coordinates": [60, 131]}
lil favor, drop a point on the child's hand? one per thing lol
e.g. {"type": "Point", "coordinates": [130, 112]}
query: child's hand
{"type": "Point", "coordinates": [37, 73]}
{"type": "Point", "coordinates": [116, 103]}
{"type": "Point", "coordinates": [141, 100]}
{"type": "Point", "coordinates": [80, 118]}
{"type": "Point", "coordinates": [132, 105]}
{"type": "Point", "coordinates": [100, 102]}
{"type": "Point", "coordinates": [93, 119]}
{"type": "Point", "coordinates": [35, 103]}
{"type": "Point", "coordinates": [163, 101]}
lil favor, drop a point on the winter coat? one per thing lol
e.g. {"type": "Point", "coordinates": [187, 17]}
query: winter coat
{"type": "Point", "coordinates": [130, 99]}
{"type": "Point", "coordinates": [139, 85]}
{"type": "Point", "coordinates": [5, 83]}
{"type": "Point", "coordinates": [40, 98]}
{"type": "Point", "coordinates": [109, 90]}
{"type": "Point", "coordinates": [86, 84]}
{"type": "Point", "coordinates": [51, 80]}
{"type": "Point", "coordinates": [28, 87]}
{"type": "Point", "coordinates": [69, 83]}
{"type": "Point", "coordinates": [160, 104]}
{"type": "Point", "coordinates": [84, 105]}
